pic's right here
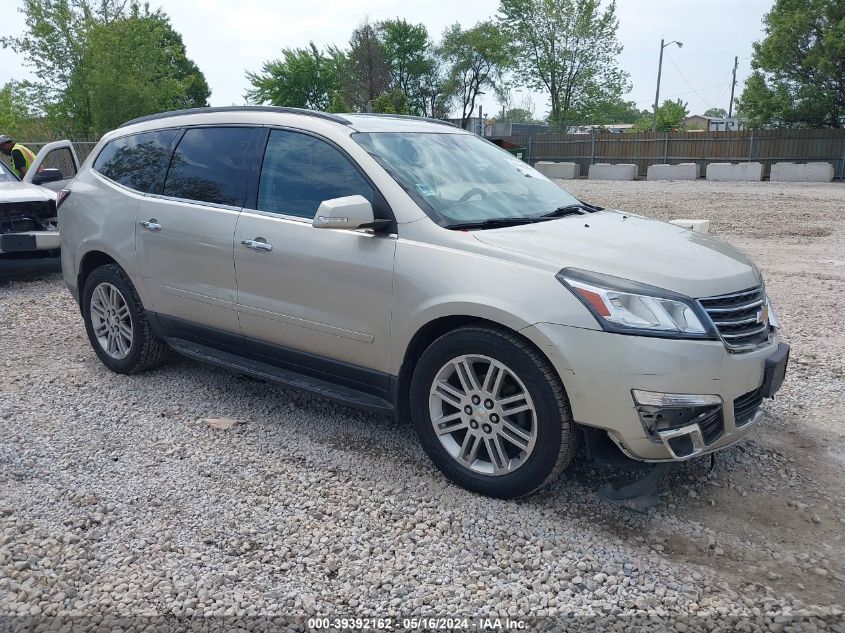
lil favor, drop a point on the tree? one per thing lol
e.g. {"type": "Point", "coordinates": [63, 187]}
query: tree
{"type": "Point", "coordinates": [75, 49]}
{"type": "Point", "coordinates": [338, 104]}
{"type": "Point", "coordinates": [137, 66]}
{"type": "Point", "coordinates": [300, 78]}
{"type": "Point", "coordinates": [670, 116]}
{"type": "Point", "coordinates": [519, 115]}
{"type": "Point", "coordinates": [798, 77]}
{"type": "Point", "coordinates": [383, 104]}
{"type": "Point", "coordinates": [716, 113]}
{"type": "Point", "coordinates": [605, 112]}
{"type": "Point", "coordinates": [406, 49]}
{"type": "Point", "coordinates": [368, 75]}
{"type": "Point", "coordinates": [478, 59]}
{"type": "Point", "coordinates": [569, 50]}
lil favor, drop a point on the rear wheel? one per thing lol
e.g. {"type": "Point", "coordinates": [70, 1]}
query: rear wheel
{"type": "Point", "coordinates": [491, 413]}
{"type": "Point", "coordinates": [117, 327]}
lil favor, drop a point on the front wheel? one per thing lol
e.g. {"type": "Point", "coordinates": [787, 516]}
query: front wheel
{"type": "Point", "coordinates": [491, 413]}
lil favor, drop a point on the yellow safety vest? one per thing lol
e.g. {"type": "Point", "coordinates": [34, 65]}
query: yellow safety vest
{"type": "Point", "coordinates": [28, 157]}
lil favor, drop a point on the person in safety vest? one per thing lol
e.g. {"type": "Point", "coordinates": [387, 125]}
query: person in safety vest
{"type": "Point", "coordinates": [21, 155]}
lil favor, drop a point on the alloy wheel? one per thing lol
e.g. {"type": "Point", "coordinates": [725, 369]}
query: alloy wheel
{"type": "Point", "coordinates": [111, 321]}
{"type": "Point", "coordinates": [483, 415]}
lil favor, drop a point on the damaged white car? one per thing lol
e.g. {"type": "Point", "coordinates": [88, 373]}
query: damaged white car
{"type": "Point", "coordinates": [29, 235]}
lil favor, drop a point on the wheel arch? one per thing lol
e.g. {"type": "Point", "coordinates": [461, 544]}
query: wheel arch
{"type": "Point", "coordinates": [437, 327]}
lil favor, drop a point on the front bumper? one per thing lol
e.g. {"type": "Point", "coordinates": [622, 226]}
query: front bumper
{"type": "Point", "coordinates": [599, 369]}
{"type": "Point", "coordinates": [29, 252]}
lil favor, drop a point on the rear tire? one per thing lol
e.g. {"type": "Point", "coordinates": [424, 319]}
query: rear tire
{"type": "Point", "coordinates": [117, 327]}
{"type": "Point", "coordinates": [491, 413]}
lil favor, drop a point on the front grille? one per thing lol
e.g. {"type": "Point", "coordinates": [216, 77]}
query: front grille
{"type": "Point", "coordinates": [745, 407]}
{"type": "Point", "coordinates": [741, 318]}
{"type": "Point", "coordinates": [16, 217]}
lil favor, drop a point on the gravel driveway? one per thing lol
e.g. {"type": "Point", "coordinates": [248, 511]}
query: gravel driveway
{"type": "Point", "coordinates": [117, 499]}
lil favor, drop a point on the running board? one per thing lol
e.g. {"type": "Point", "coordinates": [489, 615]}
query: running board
{"type": "Point", "coordinates": [286, 377]}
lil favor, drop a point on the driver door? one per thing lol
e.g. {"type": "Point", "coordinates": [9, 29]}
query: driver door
{"type": "Point", "coordinates": [313, 295]}
{"type": "Point", "coordinates": [54, 166]}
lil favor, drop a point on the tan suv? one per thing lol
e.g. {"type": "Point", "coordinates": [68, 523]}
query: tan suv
{"type": "Point", "coordinates": [407, 266]}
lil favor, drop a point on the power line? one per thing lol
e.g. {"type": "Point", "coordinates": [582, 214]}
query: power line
{"type": "Point", "coordinates": [703, 100]}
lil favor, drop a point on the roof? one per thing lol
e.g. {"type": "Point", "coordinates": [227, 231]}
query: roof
{"type": "Point", "coordinates": [358, 122]}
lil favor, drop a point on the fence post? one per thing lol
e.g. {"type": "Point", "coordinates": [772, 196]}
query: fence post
{"type": "Point", "coordinates": [666, 147]}
{"type": "Point", "coordinates": [592, 146]}
{"type": "Point", "coordinates": [751, 146]}
{"type": "Point", "coordinates": [528, 158]}
{"type": "Point", "coordinates": [842, 170]}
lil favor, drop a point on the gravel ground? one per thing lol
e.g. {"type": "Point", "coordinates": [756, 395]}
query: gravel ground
{"type": "Point", "coordinates": [117, 500]}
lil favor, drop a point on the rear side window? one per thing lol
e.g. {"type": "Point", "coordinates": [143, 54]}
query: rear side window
{"type": "Point", "coordinates": [301, 171]}
{"type": "Point", "coordinates": [135, 161]}
{"type": "Point", "coordinates": [208, 165]}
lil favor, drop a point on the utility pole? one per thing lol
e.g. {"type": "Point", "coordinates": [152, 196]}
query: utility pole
{"type": "Point", "coordinates": [659, 71]}
{"type": "Point", "coordinates": [733, 85]}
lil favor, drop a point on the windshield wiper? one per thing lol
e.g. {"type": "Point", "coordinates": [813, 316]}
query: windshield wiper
{"type": "Point", "coordinates": [492, 223]}
{"type": "Point", "coordinates": [578, 208]}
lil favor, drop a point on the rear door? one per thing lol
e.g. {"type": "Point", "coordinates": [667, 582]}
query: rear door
{"type": "Point", "coordinates": [54, 166]}
{"type": "Point", "coordinates": [185, 232]}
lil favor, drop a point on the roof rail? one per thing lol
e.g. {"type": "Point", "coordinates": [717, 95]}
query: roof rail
{"type": "Point", "coordinates": [402, 116]}
{"type": "Point", "coordinates": [303, 111]}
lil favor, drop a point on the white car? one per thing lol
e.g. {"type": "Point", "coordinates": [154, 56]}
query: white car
{"type": "Point", "coordinates": [29, 235]}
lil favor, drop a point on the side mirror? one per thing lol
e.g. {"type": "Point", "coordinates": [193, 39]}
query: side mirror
{"type": "Point", "coordinates": [47, 175]}
{"type": "Point", "coordinates": [349, 212]}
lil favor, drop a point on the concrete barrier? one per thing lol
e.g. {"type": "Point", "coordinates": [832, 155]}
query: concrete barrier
{"type": "Point", "coordinates": [697, 226]}
{"type": "Point", "coordinates": [684, 171]}
{"type": "Point", "coordinates": [606, 171]}
{"type": "Point", "coordinates": [562, 171]}
{"type": "Point", "coordinates": [737, 171]}
{"type": "Point", "coordinates": [807, 172]}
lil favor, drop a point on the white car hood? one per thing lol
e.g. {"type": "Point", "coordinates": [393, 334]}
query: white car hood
{"type": "Point", "coordinates": [634, 248]}
{"type": "Point", "coordinates": [23, 192]}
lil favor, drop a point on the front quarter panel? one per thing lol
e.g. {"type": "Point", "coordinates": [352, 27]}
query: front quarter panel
{"type": "Point", "coordinates": [436, 280]}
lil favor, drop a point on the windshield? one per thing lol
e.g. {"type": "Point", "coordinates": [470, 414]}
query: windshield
{"type": "Point", "coordinates": [6, 173]}
{"type": "Point", "coordinates": [461, 178]}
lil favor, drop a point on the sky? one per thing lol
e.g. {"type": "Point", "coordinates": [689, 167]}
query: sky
{"type": "Point", "coordinates": [227, 37]}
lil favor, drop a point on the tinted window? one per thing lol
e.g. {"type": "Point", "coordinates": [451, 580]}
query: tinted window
{"type": "Point", "coordinates": [301, 171]}
{"type": "Point", "coordinates": [135, 161]}
{"type": "Point", "coordinates": [208, 164]}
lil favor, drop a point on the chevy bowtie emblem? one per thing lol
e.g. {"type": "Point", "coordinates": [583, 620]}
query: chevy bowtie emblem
{"type": "Point", "coordinates": [763, 315]}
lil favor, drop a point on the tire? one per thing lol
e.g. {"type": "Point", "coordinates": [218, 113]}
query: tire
{"type": "Point", "coordinates": [131, 352]}
{"type": "Point", "coordinates": [523, 459]}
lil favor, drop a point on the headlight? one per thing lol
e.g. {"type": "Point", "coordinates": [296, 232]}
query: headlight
{"type": "Point", "coordinates": [629, 307]}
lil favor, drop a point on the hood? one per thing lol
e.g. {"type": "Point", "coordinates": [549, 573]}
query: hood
{"type": "Point", "coordinates": [635, 248]}
{"type": "Point", "coordinates": [13, 191]}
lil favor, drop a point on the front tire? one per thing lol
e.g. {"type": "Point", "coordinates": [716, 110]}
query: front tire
{"type": "Point", "coordinates": [491, 413]}
{"type": "Point", "coordinates": [117, 327]}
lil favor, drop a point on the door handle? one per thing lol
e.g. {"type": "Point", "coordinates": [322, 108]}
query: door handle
{"type": "Point", "coordinates": [257, 245]}
{"type": "Point", "coordinates": [150, 225]}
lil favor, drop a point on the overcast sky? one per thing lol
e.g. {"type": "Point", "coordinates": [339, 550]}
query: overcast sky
{"type": "Point", "coordinates": [227, 37]}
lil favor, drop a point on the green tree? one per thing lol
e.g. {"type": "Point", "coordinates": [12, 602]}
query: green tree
{"type": "Point", "coordinates": [338, 104]}
{"type": "Point", "coordinates": [383, 104]}
{"type": "Point", "coordinates": [300, 78]}
{"type": "Point", "coordinates": [670, 116]}
{"type": "Point", "coordinates": [406, 49]}
{"type": "Point", "coordinates": [569, 50]}
{"type": "Point", "coordinates": [368, 75]}
{"type": "Point", "coordinates": [137, 66]}
{"type": "Point", "coordinates": [85, 72]}
{"type": "Point", "coordinates": [716, 113]}
{"type": "Point", "coordinates": [605, 112]}
{"type": "Point", "coordinates": [798, 77]}
{"type": "Point", "coordinates": [519, 115]}
{"type": "Point", "coordinates": [478, 59]}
